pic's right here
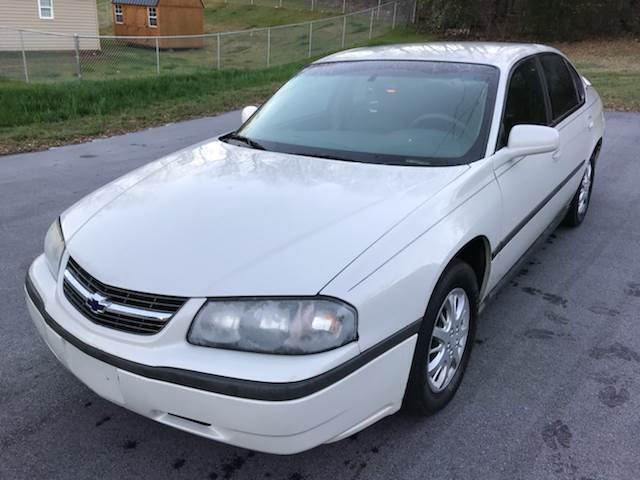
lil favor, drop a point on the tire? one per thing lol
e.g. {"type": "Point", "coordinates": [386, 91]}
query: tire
{"type": "Point", "coordinates": [423, 395]}
{"type": "Point", "coordinates": [579, 205]}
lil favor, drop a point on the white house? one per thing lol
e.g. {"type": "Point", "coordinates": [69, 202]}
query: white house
{"type": "Point", "coordinates": [61, 17]}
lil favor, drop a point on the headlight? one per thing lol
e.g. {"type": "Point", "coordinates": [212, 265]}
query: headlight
{"type": "Point", "coordinates": [280, 325]}
{"type": "Point", "coordinates": [54, 247]}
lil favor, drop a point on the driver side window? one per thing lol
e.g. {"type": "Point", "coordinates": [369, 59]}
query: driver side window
{"type": "Point", "coordinates": [525, 100]}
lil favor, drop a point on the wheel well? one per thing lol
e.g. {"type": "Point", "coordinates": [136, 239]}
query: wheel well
{"type": "Point", "coordinates": [596, 151]}
{"type": "Point", "coordinates": [476, 254]}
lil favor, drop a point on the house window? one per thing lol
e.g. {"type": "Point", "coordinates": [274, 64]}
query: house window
{"type": "Point", "coordinates": [119, 14]}
{"type": "Point", "coordinates": [153, 16]}
{"type": "Point", "coordinates": [45, 9]}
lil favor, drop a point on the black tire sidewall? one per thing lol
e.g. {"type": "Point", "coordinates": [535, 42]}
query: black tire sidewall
{"type": "Point", "coordinates": [419, 396]}
{"type": "Point", "coordinates": [573, 218]}
{"type": "Point", "coordinates": [593, 178]}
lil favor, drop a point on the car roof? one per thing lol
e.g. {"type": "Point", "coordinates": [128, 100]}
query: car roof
{"type": "Point", "coordinates": [501, 55]}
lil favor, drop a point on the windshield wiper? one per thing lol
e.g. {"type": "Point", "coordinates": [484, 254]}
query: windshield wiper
{"type": "Point", "coordinates": [371, 158]}
{"type": "Point", "coordinates": [323, 156]}
{"type": "Point", "coordinates": [245, 140]}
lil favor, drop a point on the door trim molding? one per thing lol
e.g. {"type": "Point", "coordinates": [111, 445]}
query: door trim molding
{"type": "Point", "coordinates": [535, 211]}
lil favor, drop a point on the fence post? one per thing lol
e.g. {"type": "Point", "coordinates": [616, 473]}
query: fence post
{"type": "Point", "coordinates": [268, 46]}
{"type": "Point", "coordinates": [378, 12]}
{"type": "Point", "coordinates": [344, 29]}
{"type": "Point", "coordinates": [395, 9]}
{"type": "Point", "coordinates": [344, 6]}
{"type": "Point", "coordinates": [415, 8]}
{"type": "Point", "coordinates": [371, 24]}
{"type": "Point", "coordinates": [310, 37]}
{"type": "Point", "coordinates": [24, 58]}
{"type": "Point", "coordinates": [76, 42]}
{"type": "Point", "coordinates": [157, 56]}
{"type": "Point", "coordinates": [218, 51]}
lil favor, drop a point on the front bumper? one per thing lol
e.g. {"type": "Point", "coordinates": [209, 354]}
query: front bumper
{"type": "Point", "coordinates": [281, 418]}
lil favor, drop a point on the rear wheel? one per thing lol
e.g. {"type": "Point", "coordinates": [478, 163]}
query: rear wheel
{"type": "Point", "coordinates": [580, 203]}
{"type": "Point", "coordinates": [444, 341]}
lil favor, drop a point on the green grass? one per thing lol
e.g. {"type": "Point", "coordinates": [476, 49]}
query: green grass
{"type": "Point", "coordinates": [620, 91]}
{"type": "Point", "coordinates": [613, 67]}
{"type": "Point", "coordinates": [23, 104]}
{"type": "Point", "coordinates": [402, 34]}
{"type": "Point", "coordinates": [227, 17]}
{"type": "Point", "coordinates": [37, 116]}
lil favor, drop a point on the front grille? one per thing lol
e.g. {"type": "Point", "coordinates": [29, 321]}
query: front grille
{"type": "Point", "coordinates": [126, 310]}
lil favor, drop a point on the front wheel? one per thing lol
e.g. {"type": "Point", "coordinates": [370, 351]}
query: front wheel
{"type": "Point", "coordinates": [444, 341]}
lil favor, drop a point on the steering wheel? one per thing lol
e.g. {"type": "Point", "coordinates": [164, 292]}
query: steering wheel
{"type": "Point", "coordinates": [453, 122]}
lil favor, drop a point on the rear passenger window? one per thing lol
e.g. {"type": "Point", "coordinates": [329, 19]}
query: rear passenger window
{"type": "Point", "coordinates": [562, 89]}
{"type": "Point", "coordinates": [525, 100]}
{"type": "Point", "coordinates": [577, 79]}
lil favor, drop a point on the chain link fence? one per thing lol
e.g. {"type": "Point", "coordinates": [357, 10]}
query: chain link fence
{"type": "Point", "coordinates": [329, 6]}
{"type": "Point", "coordinates": [35, 56]}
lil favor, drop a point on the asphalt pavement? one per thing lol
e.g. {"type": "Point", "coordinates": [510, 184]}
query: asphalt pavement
{"type": "Point", "coordinates": [552, 390]}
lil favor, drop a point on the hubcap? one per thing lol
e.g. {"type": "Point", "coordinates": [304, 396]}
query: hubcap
{"type": "Point", "coordinates": [448, 340]}
{"type": "Point", "coordinates": [585, 190]}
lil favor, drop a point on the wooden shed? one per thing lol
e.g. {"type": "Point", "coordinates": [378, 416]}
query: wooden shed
{"type": "Point", "coordinates": [151, 18]}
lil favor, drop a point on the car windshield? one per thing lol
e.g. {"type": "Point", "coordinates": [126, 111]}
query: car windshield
{"type": "Point", "coordinates": [392, 112]}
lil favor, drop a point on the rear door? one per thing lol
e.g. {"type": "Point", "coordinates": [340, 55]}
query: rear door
{"type": "Point", "coordinates": [570, 117]}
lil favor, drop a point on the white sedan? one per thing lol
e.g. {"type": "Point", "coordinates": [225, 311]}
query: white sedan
{"type": "Point", "coordinates": [292, 282]}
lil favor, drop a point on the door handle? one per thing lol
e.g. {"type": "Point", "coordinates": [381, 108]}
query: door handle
{"type": "Point", "coordinates": [556, 155]}
{"type": "Point", "coordinates": [590, 122]}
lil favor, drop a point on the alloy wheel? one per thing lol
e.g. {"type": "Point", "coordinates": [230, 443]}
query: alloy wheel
{"type": "Point", "coordinates": [585, 190]}
{"type": "Point", "coordinates": [448, 340]}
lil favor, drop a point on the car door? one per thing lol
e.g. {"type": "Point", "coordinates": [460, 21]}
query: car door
{"type": "Point", "coordinates": [525, 182]}
{"type": "Point", "coordinates": [573, 122]}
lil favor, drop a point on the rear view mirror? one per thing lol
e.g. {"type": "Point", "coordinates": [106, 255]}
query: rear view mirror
{"type": "Point", "coordinates": [247, 113]}
{"type": "Point", "coordinates": [532, 139]}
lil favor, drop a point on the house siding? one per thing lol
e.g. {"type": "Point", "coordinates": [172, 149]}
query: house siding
{"type": "Point", "coordinates": [70, 16]}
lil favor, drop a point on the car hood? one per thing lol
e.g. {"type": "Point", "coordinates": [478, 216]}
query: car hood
{"type": "Point", "coordinates": [221, 220]}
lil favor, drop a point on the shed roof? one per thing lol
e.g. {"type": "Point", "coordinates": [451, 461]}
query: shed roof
{"type": "Point", "coordinates": [148, 3]}
{"type": "Point", "coordinates": [142, 3]}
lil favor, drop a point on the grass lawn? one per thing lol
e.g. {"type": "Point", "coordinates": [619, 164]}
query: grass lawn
{"type": "Point", "coordinates": [227, 17]}
{"type": "Point", "coordinates": [35, 116]}
{"type": "Point", "coordinates": [613, 67]}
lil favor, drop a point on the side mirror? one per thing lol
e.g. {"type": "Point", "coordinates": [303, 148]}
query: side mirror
{"type": "Point", "coordinates": [247, 113]}
{"type": "Point", "coordinates": [532, 139]}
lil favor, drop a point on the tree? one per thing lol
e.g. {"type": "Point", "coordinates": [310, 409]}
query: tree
{"type": "Point", "coordinates": [531, 19]}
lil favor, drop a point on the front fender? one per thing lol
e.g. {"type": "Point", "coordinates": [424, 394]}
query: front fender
{"type": "Point", "coordinates": [390, 284]}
